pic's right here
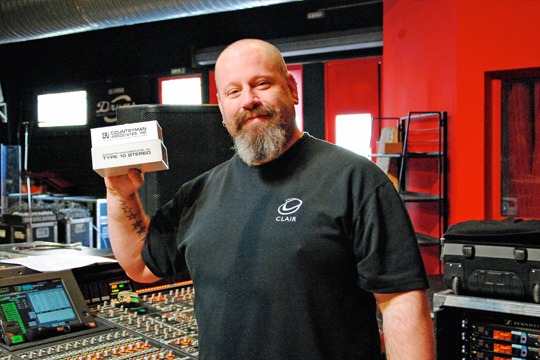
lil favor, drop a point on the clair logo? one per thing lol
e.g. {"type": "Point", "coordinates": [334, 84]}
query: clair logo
{"type": "Point", "coordinates": [289, 207]}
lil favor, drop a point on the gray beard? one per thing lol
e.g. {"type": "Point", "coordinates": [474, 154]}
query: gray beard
{"type": "Point", "coordinates": [260, 142]}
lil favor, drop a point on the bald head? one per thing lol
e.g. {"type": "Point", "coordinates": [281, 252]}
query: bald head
{"type": "Point", "coordinates": [250, 47]}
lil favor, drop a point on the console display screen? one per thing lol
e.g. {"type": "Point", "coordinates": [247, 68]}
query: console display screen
{"type": "Point", "coordinates": [43, 303]}
{"type": "Point", "coordinates": [39, 306]}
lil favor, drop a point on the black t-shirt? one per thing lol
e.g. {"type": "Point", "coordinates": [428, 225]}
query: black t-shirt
{"type": "Point", "coordinates": [285, 256]}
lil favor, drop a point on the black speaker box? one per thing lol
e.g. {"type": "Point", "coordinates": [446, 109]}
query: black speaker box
{"type": "Point", "coordinates": [195, 139]}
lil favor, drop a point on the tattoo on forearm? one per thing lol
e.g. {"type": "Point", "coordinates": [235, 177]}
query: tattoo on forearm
{"type": "Point", "coordinates": [134, 218]}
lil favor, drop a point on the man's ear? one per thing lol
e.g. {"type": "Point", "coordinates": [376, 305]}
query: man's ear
{"type": "Point", "coordinates": [293, 87]}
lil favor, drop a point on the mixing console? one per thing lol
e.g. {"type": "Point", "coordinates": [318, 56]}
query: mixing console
{"type": "Point", "coordinates": [153, 326]}
{"type": "Point", "coordinates": [95, 313]}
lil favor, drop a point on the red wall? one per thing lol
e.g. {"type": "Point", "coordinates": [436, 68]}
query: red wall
{"type": "Point", "coordinates": [351, 87]}
{"type": "Point", "coordinates": [435, 57]}
{"type": "Point", "coordinates": [212, 90]}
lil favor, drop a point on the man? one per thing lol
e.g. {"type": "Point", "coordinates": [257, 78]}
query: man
{"type": "Point", "coordinates": [292, 244]}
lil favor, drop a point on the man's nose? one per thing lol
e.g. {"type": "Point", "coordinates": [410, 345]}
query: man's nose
{"type": "Point", "coordinates": [250, 100]}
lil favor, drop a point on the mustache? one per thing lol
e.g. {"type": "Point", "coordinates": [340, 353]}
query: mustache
{"type": "Point", "coordinates": [243, 117]}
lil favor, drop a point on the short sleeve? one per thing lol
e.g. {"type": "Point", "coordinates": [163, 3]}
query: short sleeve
{"type": "Point", "coordinates": [387, 251]}
{"type": "Point", "coordinates": [160, 253]}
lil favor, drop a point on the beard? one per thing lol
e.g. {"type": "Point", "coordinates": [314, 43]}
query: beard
{"type": "Point", "coordinates": [261, 141]}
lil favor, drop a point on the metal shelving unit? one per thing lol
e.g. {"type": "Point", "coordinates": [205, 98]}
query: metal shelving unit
{"type": "Point", "coordinates": [424, 138]}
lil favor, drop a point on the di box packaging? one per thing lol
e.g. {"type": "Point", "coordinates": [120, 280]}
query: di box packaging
{"type": "Point", "coordinates": [493, 258]}
{"type": "Point", "coordinates": [116, 149]}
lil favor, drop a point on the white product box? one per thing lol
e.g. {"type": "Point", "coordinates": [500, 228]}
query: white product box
{"type": "Point", "coordinates": [114, 160]}
{"type": "Point", "coordinates": [126, 133]}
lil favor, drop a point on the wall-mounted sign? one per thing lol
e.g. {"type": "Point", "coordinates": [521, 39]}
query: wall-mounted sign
{"type": "Point", "coordinates": [105, 97]}
{"type": "Point", "coordinates": [106, 108]}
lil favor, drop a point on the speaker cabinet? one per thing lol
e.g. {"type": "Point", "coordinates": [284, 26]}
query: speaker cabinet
{"type": "Point", "coordinates": [195, 139]}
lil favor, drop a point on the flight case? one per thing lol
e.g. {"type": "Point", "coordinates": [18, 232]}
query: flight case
{"type": "Point", "coordinates": [493, 258]}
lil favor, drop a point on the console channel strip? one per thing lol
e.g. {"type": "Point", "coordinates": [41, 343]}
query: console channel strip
{"type": "Point", "coordinates": [165, 317]}
{"type": "Point", "coordinates": [497, 341]}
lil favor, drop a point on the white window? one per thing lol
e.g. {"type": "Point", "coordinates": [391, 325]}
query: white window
{"type": "Point", "coordinates": [62, 109]}
{"type": "Point", "coordinates": [185, 90]}
{"type": "Point", "coordinates": [353, 132]}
